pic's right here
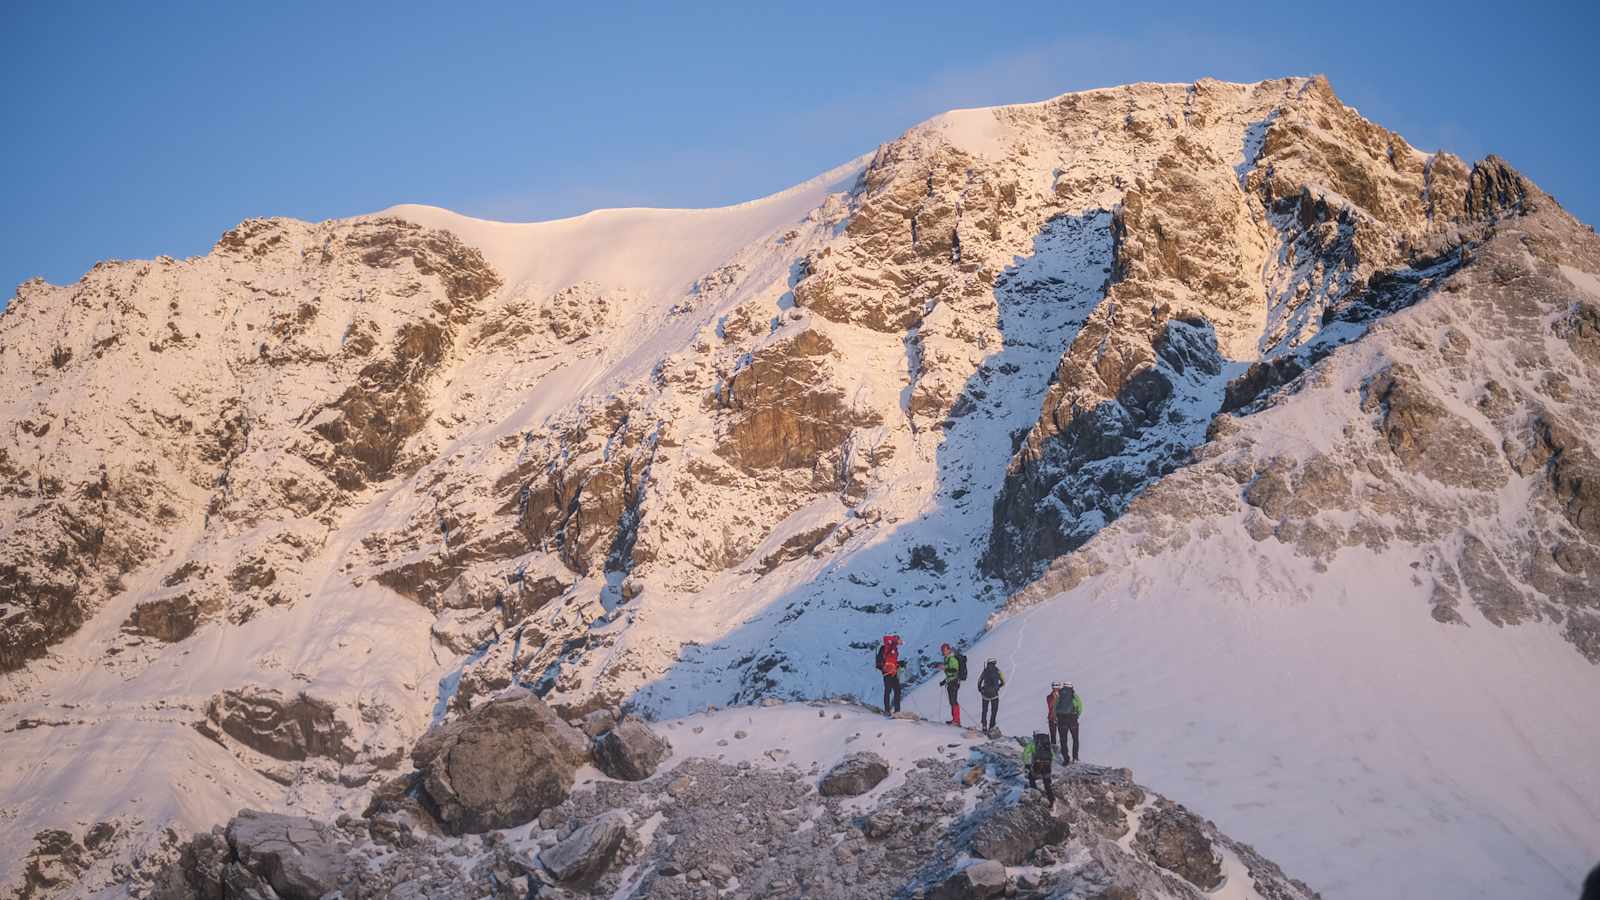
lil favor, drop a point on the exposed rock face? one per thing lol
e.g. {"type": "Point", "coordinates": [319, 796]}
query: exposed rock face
{"type": "Point", "coordinates": [498, 766]}
{"type": "Point", "coordinates": [257, 857]}
{"type": "Point", "coordinates": [253, 411]}
{"type": "Point", "coordinates": [589, 850]}
{"type": "Point", "coordinates": [282, 726]}
{"type": "Point", "coordinates": [1427, 439]}
{"type": "Point", "coordinates": [785, 412]}
{"type": "Point", "coordinates": [1173, 838]}
{"type": "Point", "coordinates": [1010, 837]}
{"type": "Point", "coordinates": [170, 620]}
{"type": "Point", "coordinates": [61, 863]}
{"type": "Point", "coordinates": [299, 858]}
{"type": "Point", "coordinates": [54, 863]}
{"type": "Point", "coordinates": [1350, 242]}
{"type": "Point", "coordinates": [630, 750]}
{"type": "Point", "coordinates": [854, 775]}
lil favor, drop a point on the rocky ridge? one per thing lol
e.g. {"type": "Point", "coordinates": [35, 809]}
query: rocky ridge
{"type": "Point", "coordinates": [958, 824]}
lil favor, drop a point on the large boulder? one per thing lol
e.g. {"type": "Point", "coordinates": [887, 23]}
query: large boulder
{"type": "Point", "coordinates": [630, 751]}
{"type": "Point", "coordinates": [298, 857]}
{"type": "Point", "coordinates": [1011, 835]}
{"type": "Point", "coordinates": [975, 882]}
{"type": "Point", "coordinates": [282, 726]}
{"type": "Point", "coordinates": [589, 850]}
{"type": "Point", "coordinates": [854, 775]}
{"type": "Point", "coordinates": [499, 765]}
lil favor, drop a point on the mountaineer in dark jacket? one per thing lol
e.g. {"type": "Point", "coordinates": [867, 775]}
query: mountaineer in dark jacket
{"type": "Point", "coordinates": [989, 684]}
{"type": "Point", "coordinates": [1068, 707]}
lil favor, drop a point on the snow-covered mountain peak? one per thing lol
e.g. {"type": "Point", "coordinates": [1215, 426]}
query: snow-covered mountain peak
{"type": "Point", "coordinates": [1177, 390]}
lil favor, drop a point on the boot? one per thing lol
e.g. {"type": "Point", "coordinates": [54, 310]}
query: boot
{"type": "Point", "coordinates": [955, 714]}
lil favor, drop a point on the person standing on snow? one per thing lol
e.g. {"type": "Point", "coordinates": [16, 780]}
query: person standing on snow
{"type": "Point", "coordinates": [989, 685]}
{"type": "Point", "coordinates": [1068, 707]}
{"type": "Point", "coordinates": [954, 666]}
{"type": "Point", "coordinates": [889, 665]}
{"type": "Point", "coordinates": [1036, 762]}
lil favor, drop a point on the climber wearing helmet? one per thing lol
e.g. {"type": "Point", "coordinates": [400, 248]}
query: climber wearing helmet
{"type": "Point", "coordinates": [889, 665]}
{"type": "Point", "coordinates": [989, 685]}
{"type": "Point", "coordinates": [1067, 707]}
{"type": "Point", "coordinates": [955, 671]}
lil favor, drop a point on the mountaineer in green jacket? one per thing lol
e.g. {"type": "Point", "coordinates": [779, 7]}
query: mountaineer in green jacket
{"type": "Point", "coordinates": [1068, 707]}
{"type": "Point", "coordinates": [955, 672]}
{"type": "Point", "coordinates": [1036, 762]}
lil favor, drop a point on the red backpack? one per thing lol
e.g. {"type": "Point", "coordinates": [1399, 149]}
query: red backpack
{"type": "Point", "coordinates": [891, 655]}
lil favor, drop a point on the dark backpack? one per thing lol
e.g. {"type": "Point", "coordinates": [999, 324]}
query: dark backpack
{"type": "Point", "coordinates": [1041, 752]}
{"type": "Point", "coordinates": [1064, 705]}
{"type": "Point", "coordinates": [961, 660]}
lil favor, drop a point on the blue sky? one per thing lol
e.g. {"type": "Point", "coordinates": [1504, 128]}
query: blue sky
{"type": "Point", "coordinates": [132, 130]}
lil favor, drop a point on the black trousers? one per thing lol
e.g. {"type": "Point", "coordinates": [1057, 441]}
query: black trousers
{"type": "Point", "coordinates": [991, 709]}
{"type": "Point", "coordinates": [891, 689]}
{"type": "Point", "coordinates": [1055, 739]}
{"type": "Point", "coordinates": [1049, 788]}
{"type": "Point", "coordinates": [1069, 728]}
{"type": "Point", "coordinates": [955, 703]}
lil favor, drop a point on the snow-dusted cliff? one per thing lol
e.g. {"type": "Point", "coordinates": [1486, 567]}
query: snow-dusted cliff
{"type": "Point", "coordinates": [1263, 426]}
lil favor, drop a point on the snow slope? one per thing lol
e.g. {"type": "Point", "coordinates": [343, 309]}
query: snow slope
{"type": "Point", "coordinates": [655, 252]}
{"type": "Point", "coordinates": [1340, 731]}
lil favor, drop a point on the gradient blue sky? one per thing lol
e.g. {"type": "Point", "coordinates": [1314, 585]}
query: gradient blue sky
{"type": "Point", "coordinates": [132, 130]}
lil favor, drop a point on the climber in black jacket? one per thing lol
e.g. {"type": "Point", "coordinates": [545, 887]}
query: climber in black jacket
{"type": "Point", "coordinates": [989, 685]}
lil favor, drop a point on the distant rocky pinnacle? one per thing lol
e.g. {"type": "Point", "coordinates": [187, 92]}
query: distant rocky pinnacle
{"type": "Point", "coordinates": [1016, 348]}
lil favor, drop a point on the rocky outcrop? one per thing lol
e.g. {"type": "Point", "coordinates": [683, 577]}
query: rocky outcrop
{"type": "Point", "coordinates": [252, 411]}
{"type": "Point", "coordinates": [260, 855]}
{"type": "Point", "coordinates": [499, 765]}
{"type": "Point", "coordinates": [288, 727]}
{"type": "Point", "coordinates": [783, 410]}
{"type": "Point", "coordinates": [854, 775]}
{"type": "Point", "coordinates": [298, 857]}
{"type": "Point", "coordinates": [978, 881]}
{"type": "Point", "coordinates": [1354, 243]}
{"type": "Point", "coordinates": [630, 750]}
{"type": "Point", "coordinates": [1012, 835]}
{"type": "Point", "coordinates": [1425, 437]}
{"type": "Point", "coordinates": [1175, 841]}
{"type": "Point", "coordinates": [589, 850]}
{"type": "Point", "coordinates": [171, 619]}
{"type": "Point", "coordinates": [54, 863]}
{"type": "Point", "coordinates": [585, 487]}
